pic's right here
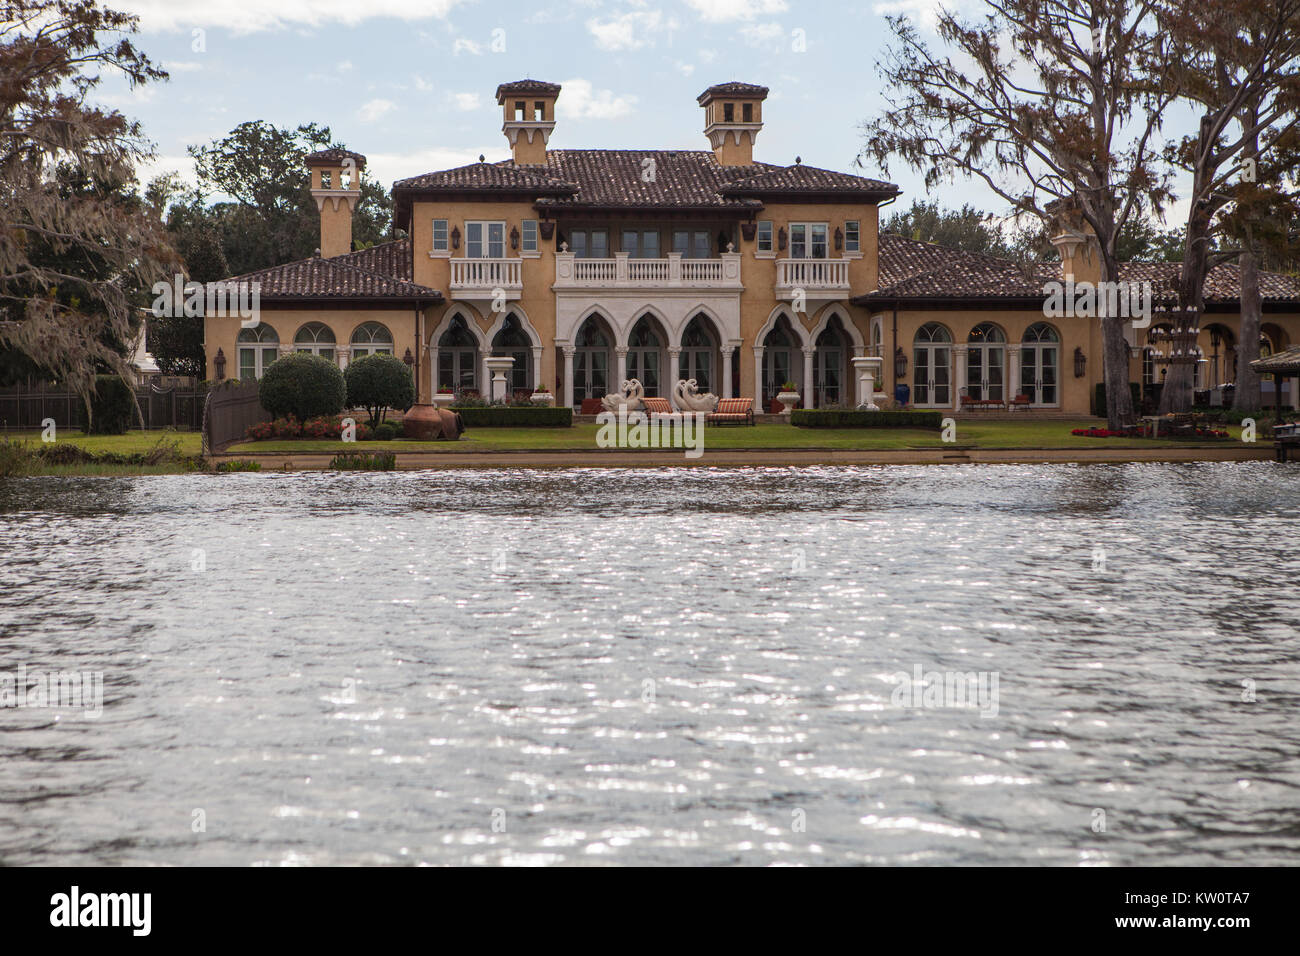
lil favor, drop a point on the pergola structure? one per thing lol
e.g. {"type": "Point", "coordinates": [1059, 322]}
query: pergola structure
{"type": "Point", "coordinates": [1284, 364]}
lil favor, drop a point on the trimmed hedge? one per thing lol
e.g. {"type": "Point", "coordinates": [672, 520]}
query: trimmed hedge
{"type": "Point", "coordinates": [111, 407]}
{"type": "Point", "coordinates": [852, 418]}
{"type": "Point", "coordinates": [304, 386]}
{"type": "Point", "coordinates": [1099, 398]}
{"type": "Point", "coordinates": [514, 416]}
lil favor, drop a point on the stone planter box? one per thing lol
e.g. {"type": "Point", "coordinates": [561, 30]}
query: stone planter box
{"type": "Point", "coordinates": [788, 401]}
{"type": "Point", "coordinates": [543, 398]}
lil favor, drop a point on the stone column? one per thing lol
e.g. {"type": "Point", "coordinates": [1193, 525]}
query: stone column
{"type": "Point", "coordinates": [432, 353]}
{"type": "Point", "coordinates": [809, 390]}
{"type": "Point", "coordinates": [537, 366]}
{"type": "Point", "coordinates": [1011, 374]}
{"type": "Point", "coordinates": [620, 368]}
{"type": "Point", "coordinates": [727, 351]}
{"type": "Point", "coordinates": [958, 378]}
{"type": "Point", "coordinates": [758, 379]}
{"type": "Point", "coordinates": [569, 351]}
{"type": "Point", "coordinates": [343, 354]}
{"type": "Point", "coordinates": [668, 377]}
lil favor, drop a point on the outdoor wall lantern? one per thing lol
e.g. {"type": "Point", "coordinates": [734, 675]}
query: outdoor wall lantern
{"type": "Point", "coordinates": [455, 237]}
{"type": "Point", "coordinates": [839, 238]}
{"type": "Point", "coordinates": [547, 229]}
{"type": "Point", "coordinates": [900, 362]}
{"type": "Point", "coordinates": [1080, 362]}
{"type": "Point", "coordinates": [219, 364]}
{"type": "Point", "coordinates": [514, 237]}
{"type": "Point", "coordinates": [749, 230]}
{"type": "Point", "coordinates": [408, 358]}
{"type": "Point", "coordinates": [780, 239]}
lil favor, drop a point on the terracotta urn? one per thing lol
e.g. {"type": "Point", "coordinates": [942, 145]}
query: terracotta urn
{"type": "Point", "coordinates": [430, 423]}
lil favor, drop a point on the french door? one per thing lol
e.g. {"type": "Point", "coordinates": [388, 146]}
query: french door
{"type": "Point", "coordinates": [931, 376]}
{"type": "Point", "coordinates": [1038, 368]}
{"type": "Point", "coordinates": [590, 373]}
{"type": "Point", "coordinates": [828, 376]}
{"type": "Point", "coordinates": [985, 365]}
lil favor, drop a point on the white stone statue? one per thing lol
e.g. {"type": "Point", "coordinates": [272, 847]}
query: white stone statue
{"type": "Point", "coordinates": [687, 397]}
{"type": "Point", "coordinates": [630, 397]}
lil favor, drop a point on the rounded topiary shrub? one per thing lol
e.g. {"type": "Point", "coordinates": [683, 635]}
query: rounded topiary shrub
{"type": "Point", "coordinates": [112, 407]}
{"type": "Point", "coordinates": [385, 431]}
{"type": "Point", "coordinates": [378, 383]}
{"type": "Point", "coordinates": [302, 385]}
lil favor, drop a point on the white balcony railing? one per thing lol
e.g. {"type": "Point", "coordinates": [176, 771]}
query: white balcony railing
{"type": "Point", "coordinates": [623, 272]}
{"type": "Point", "coordinates": [812, 275]}
{"type": "Point", "coordinates": [484, 275]}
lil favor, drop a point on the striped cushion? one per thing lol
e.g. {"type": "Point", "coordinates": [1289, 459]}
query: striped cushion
{"type": "Point", "coordinates": [657, 406]}
{"type": "Point", "coordinates": [734, 406]}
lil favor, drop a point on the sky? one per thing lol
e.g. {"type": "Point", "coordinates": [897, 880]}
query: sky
{"type": "Point", "coordinates": [411, 83]}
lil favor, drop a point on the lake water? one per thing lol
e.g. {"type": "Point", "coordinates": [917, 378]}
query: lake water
{"type": "Point", "coordinates": [677, 666]}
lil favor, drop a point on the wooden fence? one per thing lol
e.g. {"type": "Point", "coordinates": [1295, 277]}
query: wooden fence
{"type": "Point", "coordinates": [229, 411]}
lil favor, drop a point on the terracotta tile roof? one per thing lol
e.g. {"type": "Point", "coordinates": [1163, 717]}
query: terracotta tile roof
{"type": "Point", "coordinates": [683, 178]}
{"type": "Point", "coordinates": [525, 87]}
{"type": "Point", "coordinates": [332, 156]}
{"type": "Point", "coordinates": [489, 177]}
{"type": "Point", "coordinates": [808, 179]}
{"type": "Point", "coordinates": [910, 269]}
{"type": "Point", "coordinates": [615, 178]}
{"type": "Point", "coordinates": [356, 275]}
{"type": "Point", "coordinates": [733, 88]}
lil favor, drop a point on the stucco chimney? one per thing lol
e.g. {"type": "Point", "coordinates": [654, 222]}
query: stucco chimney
{"type": "Point", "coordinates": [336, 187]}
{"type": "Point", "coordinates": [528, 114]}
{"type": "Point", "coordinates": [733, 115]}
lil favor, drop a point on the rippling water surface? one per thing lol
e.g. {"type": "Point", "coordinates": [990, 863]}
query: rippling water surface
{"type": "Point", "coordinates": [678, 666]}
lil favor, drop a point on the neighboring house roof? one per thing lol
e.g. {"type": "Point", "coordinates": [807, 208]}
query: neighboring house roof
{"type": "Point", "coordinates": [922, 272]}
{"type": "Point", "coordinates": [1286, 362]}
{"type": "Point", "coordinates": [369, 276]}
{"type": "Point", "coordinates": [650, 179]}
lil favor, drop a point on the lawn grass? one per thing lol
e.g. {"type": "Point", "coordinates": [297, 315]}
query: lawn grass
{"type": "Point", "coordinates": [133, 442]}
{"type": "Point", "coordinates": [582, 437]}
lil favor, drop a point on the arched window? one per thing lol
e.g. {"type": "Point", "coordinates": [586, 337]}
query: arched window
{"type": "Point", "coordinates": [1040, 353]}
{"type": "Point", "coordinates": [591, 361]}
{"type": "Point", "coordinates": [986, 351]}
{"type": "Point", "coordinates": [829, 360]}
{"type": "Point", "coordinates": [512, 340]}
{"type": "Point", "coordinates": [258, 348]}
{"type": "Point", "coordinates": [371, 339]}
{"type": "Point", "coordinates": [644, 355]}
{"type": "Point", "coordinates": [931, 372]}
{"type": "Point", "coordinates": [458, 359]}
{"type": "Point", "coordinates": [696, 359]}
{"type": "Point", "coordinates": [316, 338]}
{"type": "Point", "coordinates": [779, 363]}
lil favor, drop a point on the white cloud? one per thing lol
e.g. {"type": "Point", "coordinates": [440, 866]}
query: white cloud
{"type": "Point", "coordinates": [923, 12]}
{"type": "Point", "coordinates": [344, 66]}
{"type": "Point", "coordinates": [374, 109]}
{"type": "Point", "coordinates": [762, 34]}
{"type": "Point", "coordinates": [722, 11]}
{"type": "Point", "coordinates": [581, 101]}
{"type": "Point", "coordinates": [181, 66]}
{"type": "Point", "coordinates": [686, 69]}
{"type": "Point", "coordinates": [631, 30]}
{"type": "Point", "coordinates": [423, 85]}
{"type": "Point", "coordinates": [468, 46]}
{"type": "Point", "coordinates": [464, 101]}
{"type": "Point", "coordinates": [253, 16]}
{"type": "Point", "coordinates": [387, 168]}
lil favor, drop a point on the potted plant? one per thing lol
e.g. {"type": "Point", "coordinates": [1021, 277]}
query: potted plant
{"type": "Point", "coordinates": [542, 396]}
{"type": "Point", "coordinates": [788, 397]}
{"type": "Point", "coordinates": [444, 396]}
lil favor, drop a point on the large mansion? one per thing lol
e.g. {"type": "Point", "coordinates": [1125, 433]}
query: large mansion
{"type": "Point", "coordinates": [592, 266]}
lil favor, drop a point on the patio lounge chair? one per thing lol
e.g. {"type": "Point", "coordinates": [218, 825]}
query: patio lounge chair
{"type": "Point", "coordinates": [1020, 401]}
{"type": "Point", "coordinates": [659, 408]}
{"type": "Point", "coordinates": [732, 411]}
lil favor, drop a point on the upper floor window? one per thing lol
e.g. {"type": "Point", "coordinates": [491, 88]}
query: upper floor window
{"type": "Point", "coordinates": [539, 110]}
{"type": "Point", "coordinates": [520, 108]}
{"type": "Point", "coordinates": [485, 240]}
{"type": "Point", "coordinates": [852, 236]}
{"type": "Point", "coordinates": [326, 177]}
{"type": "Point", "coordinates": [692, 245]}
{"type": "Point", "coordinates": [728, 112]}
{"type": "Point", "coordinates": [589, 243]}
{"type": "Point", "coordinates": [528, 239]}
{"type": "Point", "coordinates": [764, 235]}
{"type": "Point", "coordinates": [747, 112]}
{"type": "Point", "coordinates": [440, 235]}
{"type": "Point", "coordinates": [808, 240]}
{"type": "Point", "coordinates": [641, 244]}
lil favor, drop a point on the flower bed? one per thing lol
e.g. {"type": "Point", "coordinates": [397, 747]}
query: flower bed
{"type": "Point", "coordinates": [1135, 431]}
{"type": "Point", "coordinates": [290, 427]}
